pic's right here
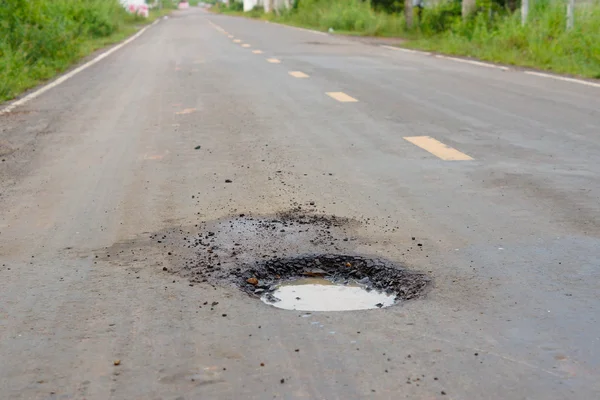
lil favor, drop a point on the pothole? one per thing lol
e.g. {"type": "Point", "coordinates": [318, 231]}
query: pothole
{"type": "Point", "coordinates": [315, 294]}
{"type": "Point", "coordinates": [264, 255]}
{"type": "Point", "coordinates": [332, 283]}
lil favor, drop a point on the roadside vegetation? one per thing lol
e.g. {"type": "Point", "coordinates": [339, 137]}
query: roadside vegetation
{"type": "Point", "coordinates": [494, 32]}
{"type": "Point", "coordinates": [40, 38]}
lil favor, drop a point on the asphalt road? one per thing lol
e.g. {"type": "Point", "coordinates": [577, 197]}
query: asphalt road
{"type": "Point", "coordinates": [501, 186]}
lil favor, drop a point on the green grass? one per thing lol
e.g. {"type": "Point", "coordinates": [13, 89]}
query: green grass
{"type": "Point", "coordinates": [352, 16]}
{"type": "Point", "coordinates": [543, 43]}
{"type": "Point", "coordinates": [493, 34]}
{"type": "Point", "coordinates": [41, 38]}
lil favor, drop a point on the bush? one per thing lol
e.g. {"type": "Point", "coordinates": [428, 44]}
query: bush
{"type": "Point", "coordinates": [165, 4]}
{"type": "Point", "coordinates": [440, 18]}
{"type": "Point", "coordinates": [257, 11]}
{"type": "Point", "coordinates": [343, 15]}
{"type": "Point", "coordinates": [40, 37]}
{"type": "Point", "coordinates": [236, 5]}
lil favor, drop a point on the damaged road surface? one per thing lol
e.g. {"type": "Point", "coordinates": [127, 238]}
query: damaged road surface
{"type": "Point", "coordinates": [184, 220]}
{"type": "Point", "coordinates": [258, 253]}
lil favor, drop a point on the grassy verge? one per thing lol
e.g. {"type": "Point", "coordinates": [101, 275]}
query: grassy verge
{"type": "Point", "coordinates": [492, 34]}
{"type": "Point", "coordinates": [349, 16]}
{"type": "Point", "coordinates": [543, 43]}
{"type": "Point", "coordinates": [42, 38]}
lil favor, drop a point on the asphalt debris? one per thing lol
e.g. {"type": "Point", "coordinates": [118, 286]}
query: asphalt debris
{"type": "Point", "coordinates": [378, 274]}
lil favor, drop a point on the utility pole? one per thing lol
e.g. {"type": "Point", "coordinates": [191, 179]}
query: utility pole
{"type": "Point", "coordinates": [570, 14]}
{"type": "Point", "coordinates": [524, 11]}
{"type": "Point", "coordinates": [468, 6]}
{"type": "Point", "coordinates": [408, 13]}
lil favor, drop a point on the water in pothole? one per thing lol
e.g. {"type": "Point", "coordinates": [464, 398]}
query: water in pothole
{"type": "Point", "coordinates": [316, 294]}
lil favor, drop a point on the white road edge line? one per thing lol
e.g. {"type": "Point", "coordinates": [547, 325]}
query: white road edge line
{"type": "Point", "coordinates": [473, 62]}
{"type": "Point", "coordinates": [500, 67]}
{"type": "Point", "coordinates": [74, 72]}
{"type": "Point", "coordinates": [563, 78]}
{"type": "Point", "coordinates": [385, 46]}
{"type": "Point", "coordinates": [461, 60]}
{"type": "Point", "coordinates": [301, 29]}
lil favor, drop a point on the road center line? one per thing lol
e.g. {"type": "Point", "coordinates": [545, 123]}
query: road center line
{"type": "Point", "coordinates": [437, 148]}
{"type": "Point", "coordinates": [341, 97]}
{"type": "Point", "coordinates": [273, 60]}
{"type": "Point", "coordinates": [246, 45]}
{"type": "Point", "coordinates": [298, 74]}
{"type": "Point", "coordinates": [237, 41]}
{"type": "Point", "coordinates": [186, 111]}
{"type": "Point", "coordinates": [217, 27]}
{"type": "Point", "coordinates": [257, 51]}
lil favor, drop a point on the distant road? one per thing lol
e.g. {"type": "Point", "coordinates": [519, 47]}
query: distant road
{"type": "Point", "coordinates": [495, 172]}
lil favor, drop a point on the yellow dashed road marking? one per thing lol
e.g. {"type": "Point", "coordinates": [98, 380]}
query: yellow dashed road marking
{"type": "Point", "coordinates": [257, 51]}
{"type": "Point", "coordinates": [437, 148]}
{"type": "Point", "coordinates": [230, 36]}
{"type": "Point", "coordinates": [186, 111]}
{"type": "Point", "coordinates": [342, 97]}
{"type": "Point", "coordinates": [217, 27]}
{"type": "Point", "coordinates": [273, 60]}
{"type": "Point", "coordinates": [149, 156]}
{"type": "Point", "coordinates": [298, 74]}
{"type": "Point", "coordinates": [237, 41]}
{"type": "Point", "coordinates": [245, 45]}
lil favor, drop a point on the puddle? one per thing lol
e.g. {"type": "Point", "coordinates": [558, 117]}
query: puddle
{"type": "Point", "coordinates": [314, 294]}
{"type": "Point", "coordinates": [371, 277]}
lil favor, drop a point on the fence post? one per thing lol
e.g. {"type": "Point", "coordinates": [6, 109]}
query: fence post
{"type": "Point", "coordinates": [524, 11]}
{"type": "Point", "coordinates": [468, 6]}
{"type": "Point", "coordinates": [408, 13]}
{"type": "Point", "coordinates": [570, 14]}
